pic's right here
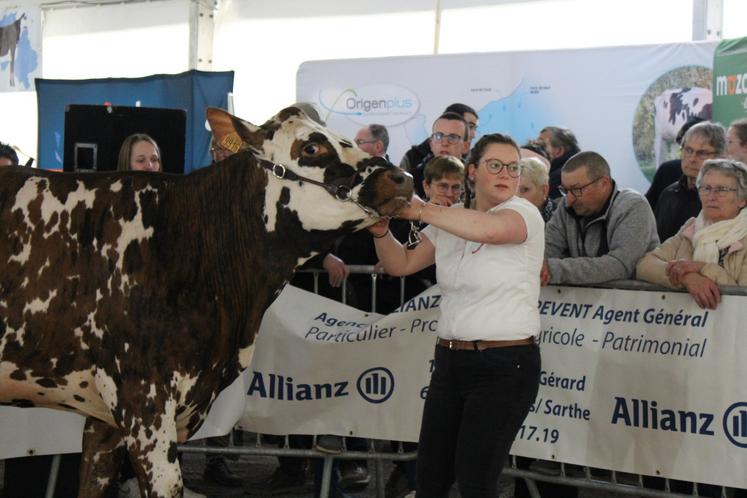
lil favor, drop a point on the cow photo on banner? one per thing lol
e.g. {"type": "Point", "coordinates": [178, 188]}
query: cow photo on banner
{"type": "Point", "coordinates": [20, 48]}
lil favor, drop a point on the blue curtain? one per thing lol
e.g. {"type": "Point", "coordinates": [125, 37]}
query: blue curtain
{"type": "Point", "coordinates": [192, 91]}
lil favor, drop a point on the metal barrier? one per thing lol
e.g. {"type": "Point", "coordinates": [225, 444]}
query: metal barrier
{"type": "Point", "coordinates": [621, 483]}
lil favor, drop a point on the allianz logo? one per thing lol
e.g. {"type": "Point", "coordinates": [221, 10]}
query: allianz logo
{"type": "Point", "coordinates": [374, 385]}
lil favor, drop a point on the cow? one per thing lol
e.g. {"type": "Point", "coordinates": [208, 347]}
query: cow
{"type": "Point", "coordinates": [133, 298]}
{"type": "Point", "coordinates": [9, 36]}
{"type": "Point", "coordinates": [675, 107]}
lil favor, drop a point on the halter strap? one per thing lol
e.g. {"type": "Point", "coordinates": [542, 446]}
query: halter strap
{"type": "Point", "coordinates": [340, 192]}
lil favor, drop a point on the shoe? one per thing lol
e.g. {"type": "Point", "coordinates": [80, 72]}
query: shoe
{"type": "Point", "coordinates": [282, 483]}
{"type": "Point", "coordinates": [353, 475]}
{"type": "Point", "coordinates": [329, 444]}
{"type": "Point", "coordinates": [397, 485]}
{"type": "Point", "coordinates": [217, 471]}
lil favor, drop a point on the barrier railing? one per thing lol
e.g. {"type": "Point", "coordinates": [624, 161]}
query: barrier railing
{"type": "Point", "coordinates": [612, 481]}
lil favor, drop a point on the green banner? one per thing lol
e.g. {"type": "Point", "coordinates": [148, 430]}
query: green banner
{"type": "Point", "coordinates": [730, 81]}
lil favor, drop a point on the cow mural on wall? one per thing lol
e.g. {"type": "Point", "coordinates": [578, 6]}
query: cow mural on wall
{"type": "Point", "coordinates": [133, 298]}
{"type": "Point", "coordinates": [672, 109]}
{"type": "Point", "coordinates": [9, 36]}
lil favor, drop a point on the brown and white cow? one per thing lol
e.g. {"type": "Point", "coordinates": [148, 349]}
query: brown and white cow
{"type": "Point", "coordinates": [133, 298]}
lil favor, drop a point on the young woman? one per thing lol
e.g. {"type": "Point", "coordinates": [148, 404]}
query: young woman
{"type": "Point", "coordinates": [139, 152]}
{"type": "Point", "coordinates": [488, 255]}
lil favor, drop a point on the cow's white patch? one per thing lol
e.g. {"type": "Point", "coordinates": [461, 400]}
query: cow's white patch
{"type": "Point", "coordinates": [116, 186]}
{"type": "Point", "coordinates": [39, 306]}
{"type": "Point", "coordinates": [131, 231]}
{"type": "Point", "coordinates": [22, 257]}
{"type": "Point", "coordinates": [245, 356]}
{"type": "Point", "coordinates": [106, 388]}
{"type": "Point", "coordinates": [166, 478]}
{"type": "Point", "coordinates": [52, 205]}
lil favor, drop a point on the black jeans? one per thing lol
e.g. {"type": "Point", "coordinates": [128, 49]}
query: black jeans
{"type": "Point", "coordinates": [476, 402]}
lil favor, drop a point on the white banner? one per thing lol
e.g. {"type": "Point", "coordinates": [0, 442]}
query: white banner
{"type": "Point", "coordinates": [607, 96]}
{"type": "Point", "coordinates": [634, 381]}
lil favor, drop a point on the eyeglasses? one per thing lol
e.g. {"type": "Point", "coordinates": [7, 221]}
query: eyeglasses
{"type": "Point", "coordinates": [445, 188]}
{"type": "Point", "coordinates": [452, 138]}
{"type": "Point", "coordinates": [699, 154]}
{"type": "Point", "coordinates": [707, 190]}
{"type": "Point", "coordinates": [359, 141]}
{"type": "Point", "coordinates": [495, 167]}
{"type": "Point", "coordinates": [576, 191]}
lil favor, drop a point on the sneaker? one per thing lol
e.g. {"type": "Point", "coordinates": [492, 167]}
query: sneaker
{"type": "Point", "coordinates": [396, 485]}
{"type": "Point", "coordinates": [329, 444]}
{"type": "Point", "coordinates": [281, 483]}
{"type": "Point", "coordinates": [218, 472]}
{"type": "Point", "coordinates": [353, 475]}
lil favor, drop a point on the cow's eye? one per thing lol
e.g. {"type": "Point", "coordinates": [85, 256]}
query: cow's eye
{"type": "Point", "coordinates": [312, 150]}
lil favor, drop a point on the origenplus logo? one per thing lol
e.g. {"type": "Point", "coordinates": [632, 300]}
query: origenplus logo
{"type": "Point", "coordinates": [385, 104]}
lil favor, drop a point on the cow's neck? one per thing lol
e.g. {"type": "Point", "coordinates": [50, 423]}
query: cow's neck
{"type": "Point", "coordinates": [233, 251]}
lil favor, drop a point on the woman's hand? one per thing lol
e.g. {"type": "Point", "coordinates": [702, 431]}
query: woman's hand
{"type": "Point", "coordinates": [380, 228]}
{"type": "Point", "coordinates": [414, 210]}
{"type": "Point", "coordinates": [677, 269]}
{"type": "Point", "coordinates": [702, 289]}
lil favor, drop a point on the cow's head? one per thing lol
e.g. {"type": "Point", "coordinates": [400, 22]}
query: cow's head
{"type": "Point", "coordinates": [358, 186]}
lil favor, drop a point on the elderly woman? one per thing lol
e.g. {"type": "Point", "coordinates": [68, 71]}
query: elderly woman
{"type": "Point", "coordinates": [488, 255]}
{"type": "Point", "coordinates": [709, 250]}
{"type": "Point", "coordinates": [534, 186]}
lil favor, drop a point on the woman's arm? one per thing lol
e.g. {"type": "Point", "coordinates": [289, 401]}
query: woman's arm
{"type": "Point", "coordinates": [503, 227]}
{"type": "Point", "coordinates": [396, 259]}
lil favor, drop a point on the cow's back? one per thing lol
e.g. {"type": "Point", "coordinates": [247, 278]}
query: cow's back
{"type": "Point", "coordinates": [71, 246]}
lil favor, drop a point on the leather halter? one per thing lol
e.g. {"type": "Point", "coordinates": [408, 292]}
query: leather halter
{"type": "Point", "coordinates": [340, 192]}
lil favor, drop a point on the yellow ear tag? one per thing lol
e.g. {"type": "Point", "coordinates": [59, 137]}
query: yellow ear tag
{"type": "Point", "coordinates": [231, 142]}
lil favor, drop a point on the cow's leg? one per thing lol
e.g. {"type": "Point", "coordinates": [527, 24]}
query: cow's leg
{"type": "Point", "coordinates": [151, 444]}
{"type": "Point", "coordinates": [103, 452]}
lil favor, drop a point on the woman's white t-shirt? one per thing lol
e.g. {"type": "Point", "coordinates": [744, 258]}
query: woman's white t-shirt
{"type": "Point", "coordinates": [490, 292]}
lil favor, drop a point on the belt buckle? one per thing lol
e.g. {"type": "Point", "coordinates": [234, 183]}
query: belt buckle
{"type": "Point", "coordinates": [451, 344]}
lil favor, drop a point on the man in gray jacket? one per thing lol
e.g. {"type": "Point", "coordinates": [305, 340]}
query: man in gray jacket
{"type": "Point", "coordinates": [599, 232]}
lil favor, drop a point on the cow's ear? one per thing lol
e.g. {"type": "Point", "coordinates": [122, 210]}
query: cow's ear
{"type": "Point", "coordinates": [230, 132]}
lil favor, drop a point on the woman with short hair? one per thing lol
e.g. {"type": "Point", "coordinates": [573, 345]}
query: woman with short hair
{"type": "Point", "coordinates": [535, 186]}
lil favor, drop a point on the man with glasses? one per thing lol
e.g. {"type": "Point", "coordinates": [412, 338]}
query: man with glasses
{"type": "Point", "coordinates": [450, 137]}
{"type": "Point", "coordinates": [420, 152]}
{"type": "Point", "coordinates": [373, 139]}
{"type": "Point", "coordinates": [599, 232]}
{"type": "Point", "coordinates": [680, 201]}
